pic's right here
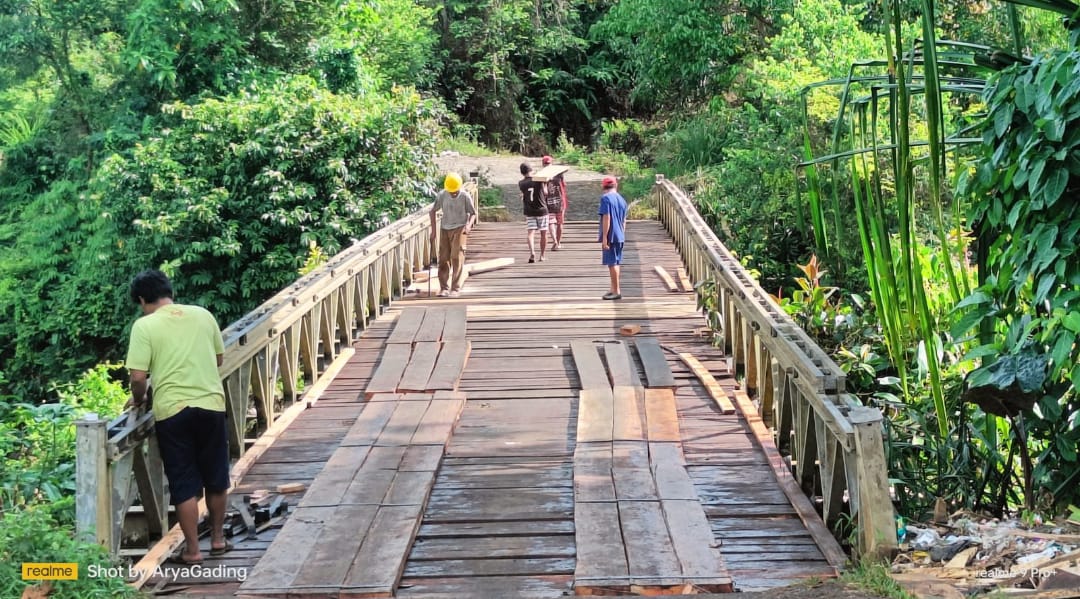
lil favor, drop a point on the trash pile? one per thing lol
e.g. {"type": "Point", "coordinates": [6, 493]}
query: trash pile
{"type": "Point", "coordinates": [970, 555]}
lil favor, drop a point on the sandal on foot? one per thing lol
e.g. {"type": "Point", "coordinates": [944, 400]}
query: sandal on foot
{"type": "Point", "coordinates": [215, 551]}
{"type": "Point", "coordinates": [532, 258]}
{"type": "Point", "coordinates": [180, 560]}
{"type": "Point", "coordinates": [612, 296]}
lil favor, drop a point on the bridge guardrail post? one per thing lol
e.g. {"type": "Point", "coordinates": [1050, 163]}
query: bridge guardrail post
{"type": "Point", "coordinates": [93, 491]}
{"type": "Point", "coordinates": [876, 517]}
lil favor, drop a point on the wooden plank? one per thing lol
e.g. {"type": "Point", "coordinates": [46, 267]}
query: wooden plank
{"type": "Point", "coordinates": [378, 565]}
{"type": "Point", "coordinates": [666, 278]}
{"type": "Point", "coordinates": [466, 530]}
{"type": "Point", "coordinates": [694, 545]}
{"type": "Point", "coordinates": [394, 359]}
{"type": "Point", "coordinates": [663, 421]}
{"type": "Point", "coordinates": [410, 488]}
{"type": "Point", "coordinates": [589, 367]}
{"type": "Point", "coordinates": [446, 376]}
{"type": "Point", "coordinates": [402, 425]}
{"type": "Point", "coordinates": [634, 484]}
{"type": "Point", "coordinates": [438, 422]}
{"type": "Point", "coordinates": [684, 280]}
{"type": "Point", "coordinates": [369, 424]}
{"type": "Point", "coordinates": [650, 554]}
{"type": "Point", "coordinates": [595, 415]}
{"type": "Point", "coordinates": [416, 375]}
{"type": "Point", "coordinates": [657, 371]}
{"type": "Point", "coordinates": [408, 323]}
{"type": "Point", "coordinates": [592, 473]}
{"type": "Point", "coordinates": [474, 268]}
{"type": "Point", "coordinates": [601, 555]}
{"type": "Point", "coordinates": [432, 328]}
{"type": "Point", "coordinates": [421, 458]}
{"type": "Point", "coordinates": [549, 172]}
{"type": "Point", "coordinates": [716, 392]}
{"type": "Point", "coordinates": [329, 486]}
{"type": "Point", "coordinates": [629, 414]}
{"type": "Point", "coordinates": [630, 454]}
{"type": "Point", "coordinates": [454, 324]}
{"type": "Point", "coordinates": [666, 453]}
{"type": "Point", "coordinates": [503, 546]}
{"type": "Point", "coordinates": [332, 552]}
{"type": "Point", "coordinates": [286, 556]}
{"type": "Point", "coordinates": [672, 482]}
{"type": "Point", "coordinates": [514, 566]}
{"type": "Point", "coordinates": [369, 487]}
{"type": "Point", "coordinates": [547, 587]}
{"type": "Point", "coordinates": [619, 365]}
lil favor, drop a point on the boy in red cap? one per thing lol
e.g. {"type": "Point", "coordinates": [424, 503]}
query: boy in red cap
{"type": "Point", "coordinates": [612, 232]}
{"type": "Point", "coordinates": [555, 194]}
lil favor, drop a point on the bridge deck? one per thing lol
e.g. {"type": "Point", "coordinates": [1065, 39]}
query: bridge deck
{"type": "Point", "coordinates": [496, 515]}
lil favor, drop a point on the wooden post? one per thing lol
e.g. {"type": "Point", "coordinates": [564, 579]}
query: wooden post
{"type": "Point", "coordinates": [93, 493]}
{"type": "Point", "coordinates": [150, 477]}
{"type": "Point", "coordinates": [876, 519]}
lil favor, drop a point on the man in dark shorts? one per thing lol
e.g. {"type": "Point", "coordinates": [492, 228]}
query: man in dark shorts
{"type": "Point", "coordinates": [181, 346]}
{"type": "Point", "coordinates": [612, 232]}
{"type": "Point", "coordinates": [535, 209]}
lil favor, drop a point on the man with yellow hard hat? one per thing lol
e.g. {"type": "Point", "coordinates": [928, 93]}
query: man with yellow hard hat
{"type": "Point", "coordinates": [458, 216]}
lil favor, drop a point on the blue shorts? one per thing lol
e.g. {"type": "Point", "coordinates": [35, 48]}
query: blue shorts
{"type": "Point", "coordinates": [195, 448]}
{"type": "Point", "coordinates": [613, 255]}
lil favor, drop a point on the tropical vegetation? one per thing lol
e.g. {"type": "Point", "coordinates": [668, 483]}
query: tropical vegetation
{"type": "Point", "coordinates": [902, 175]}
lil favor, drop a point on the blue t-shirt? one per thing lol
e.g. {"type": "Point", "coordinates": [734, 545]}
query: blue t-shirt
{"type": "Point", "coordinates": [612, 203]}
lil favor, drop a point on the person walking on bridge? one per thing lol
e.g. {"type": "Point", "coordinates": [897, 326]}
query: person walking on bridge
{"type": "Point", "coordinates": [181, 347]}
{"type": "Point", "coordinates": [535, 209]}
{"type": "Point", "coordinates": [458, 216]}
{"type": "Point", "coordinates": [612, 234]}
{"type": "Point", "coordinates": [555, 194]}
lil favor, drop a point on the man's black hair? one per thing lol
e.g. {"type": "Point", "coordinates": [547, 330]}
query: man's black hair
{"type": "Point", "coordinates": [151, 285]}
{"type": "Point", "coordinates": [525, 168]}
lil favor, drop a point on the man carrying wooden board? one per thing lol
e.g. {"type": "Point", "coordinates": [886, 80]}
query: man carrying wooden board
{"type": "Point", "coordinates": [459, 214]}
{"type": "Point", "coordinates": [555, 194]}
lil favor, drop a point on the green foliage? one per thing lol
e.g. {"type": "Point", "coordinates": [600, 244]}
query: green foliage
{"type": "Point", "coordinates": [230, 195]}
{"type": "Point", "coordinates": [875, 578]}
{"type": "Point", "coordinates": [1023, 194]}
{"type": "Point", "coordinates": [34, 534]}
{"type": "Point", "coordinates": [37, 442]}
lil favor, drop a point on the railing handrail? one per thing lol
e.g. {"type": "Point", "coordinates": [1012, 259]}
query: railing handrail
{"type": "Point", "coordinates": [800, 388]}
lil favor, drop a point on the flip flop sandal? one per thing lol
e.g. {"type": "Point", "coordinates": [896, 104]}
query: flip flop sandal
{"type": "Point", "coordinates": [215, 551]}
{"type": "Point", "coordinates": [179, 560]}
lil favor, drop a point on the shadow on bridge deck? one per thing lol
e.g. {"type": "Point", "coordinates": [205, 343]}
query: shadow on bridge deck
{"type": "Point", "coordinates": [499, 521]}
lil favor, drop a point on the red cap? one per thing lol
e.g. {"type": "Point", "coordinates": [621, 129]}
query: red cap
{"type": "Point", "coordinates": [546, 160]}
{"type": "Point", "coordinates": [608, 182]}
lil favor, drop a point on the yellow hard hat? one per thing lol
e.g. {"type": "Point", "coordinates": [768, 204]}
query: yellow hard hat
{"type": "Point", "coordinates": [452, 182]}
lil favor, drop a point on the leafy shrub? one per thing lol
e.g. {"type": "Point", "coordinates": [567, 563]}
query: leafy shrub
{"type": "Point", "coordinates": [33, 534]}
{"type": "Point", "coordinates": [625, 136]}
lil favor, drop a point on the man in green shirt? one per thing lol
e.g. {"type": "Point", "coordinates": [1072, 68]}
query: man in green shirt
{"type": "Point", "coordinates": [181, 347]}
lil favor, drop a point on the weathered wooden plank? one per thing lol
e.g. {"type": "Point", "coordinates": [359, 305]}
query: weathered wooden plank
{"type": "Point", "coordinates": [672, 482]}
{"type": "Point", "coordinates": [472, 505]}
{"type": "Point", "coordinates": [514, 566]}
{"type": "Point", "coordinates": [421, 363]}
{"type": "Point", "coordinates": [475, 268]}
{"type": "Point", "coordinates": [629, 414]}
{"type": "Point", "coordinates": [446, 376]}
{"type": "Point", "coordinates": [534, 587]}
{"type": "Point", "coordinates": [592, 473]}
{"type": "Point", "coordinates": [589, 367]}
{"type": "Point", "coordinates": [369, 487]}
{"type": "Point", "coordinates": [402, 425]}
{"type": "Point", "coordinates": [660, 413]}
{"type": "Point", "coordinates": [684, 280]}
{"type": "Point", "coordinates": [330, 485]}
{"type": "Point", "coordinates": [657, 371]}
{"type": "Point", "coordinates": [335, 548]}
{"type": "Point", "coordinates": [432, 328]}
{"type": "Point", "coordinates": [601, 554]}
{"type": "Point", "coordinates": [408, 323]}
{"type": "Point", "coordinates": [634, 484]}
{"type": "Point", "coordinates": [666, 453]}
{"type": "Point", "coordinates": [468, 530]}
{"type": "Point", "coordinates": [410, 488]}
{"type": "Point", "coordinates": [438, 422]}
{"type": "Point", "coordinates": [716, 392]}
{"type": "Point", "coordinates": [394, 359]}
{"type": "Point", "coordinates": [454, 325]}
{"type": "Point", "coordinates": [421, 458]}
{"type": "Point", "coordinates": [650, 554]}
{"type": "Point", "coordinates": [381, 559]}
{"type": "Point", "coordinates": [619, 365]}
{"type": "Point", "coordinates": [693, 542]}
{"type": "Point", "coordinates": [666, 278]}
{"type": "Point", "coordinates": [494, 547]}
{"type": "Point", "coordinates": [595, 415]}
{"type": "Point", "coordinates": [630, 454]}
{"type": "Point", "coordinates": [286, 556]}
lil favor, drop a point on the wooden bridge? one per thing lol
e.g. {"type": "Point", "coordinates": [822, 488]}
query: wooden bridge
{"type": "Point", "coordinates": [513, 442]}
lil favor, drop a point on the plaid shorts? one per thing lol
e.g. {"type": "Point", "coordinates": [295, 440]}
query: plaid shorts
{"type": "Point", "coordinates": [536, 223]}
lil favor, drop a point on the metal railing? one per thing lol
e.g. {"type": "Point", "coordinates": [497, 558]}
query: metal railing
{"type": "Point", "coordinates": [297, 333]}
{"type": "Point", "coordinates": [833, 444]}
